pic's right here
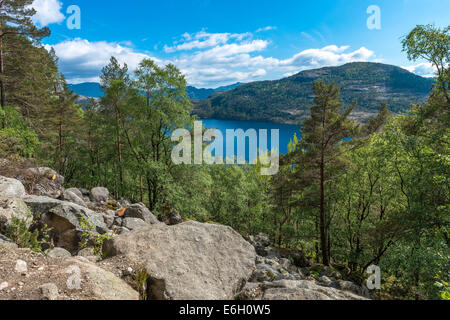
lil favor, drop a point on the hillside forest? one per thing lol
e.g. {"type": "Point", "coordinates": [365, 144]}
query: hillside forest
{"type": "Point", "coordinates": [349, 195]}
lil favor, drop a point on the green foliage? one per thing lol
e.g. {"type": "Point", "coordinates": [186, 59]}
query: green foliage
{"type": "Point", "coordinates": [19, 232]}
{"type": "Point", "coordinates": [92, 239]}
{"type": "Point", "coordinates": [139, 281]}
{"type": "Point", "coordinates": [17, 137]}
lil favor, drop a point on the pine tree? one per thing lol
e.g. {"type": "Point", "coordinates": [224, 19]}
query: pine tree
{"type": "Point", "coordinates": [319, 157]}
{"type": "Point", "coordinates": [15, 20]}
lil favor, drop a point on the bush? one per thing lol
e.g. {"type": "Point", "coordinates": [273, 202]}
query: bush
{"type": "Point", "coordinates": [91, 239]}
{"type": "Point", "coordinates": [17, 137]}
{"type": "Point", "coordinates": [20, 233]}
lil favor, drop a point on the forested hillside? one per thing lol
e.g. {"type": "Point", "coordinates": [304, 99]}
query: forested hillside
{"type": "Point", "coordinates": [289, 99]}
{"type": "Point", "coordinates": [380, 198]}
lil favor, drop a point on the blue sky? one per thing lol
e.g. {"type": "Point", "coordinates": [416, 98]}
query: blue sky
{"type": "Point", "coordinates": [217, 43]}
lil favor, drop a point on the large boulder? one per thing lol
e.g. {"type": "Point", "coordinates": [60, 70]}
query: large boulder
{"type": "Point", "coordinates": [13, 208]}
{"type": "Point", "coordinates": [99, 194]}
{"type": "Point", "coordinates": [11, 188]}
{"type": "Point", "coordinates": [140, 211]}
{"type": "Point", "coordinates": [191, 261]}
{"type": "Point", "coordinates": [44, 181]}
{"type": "Point", "coordinates": [71, 196]}
{"type": "Point", "coordinates": [65, 219]}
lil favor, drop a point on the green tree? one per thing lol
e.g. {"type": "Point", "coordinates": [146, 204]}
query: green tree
{"type": "Point", "coordinates": [321, 149]}
{"type": "Point", "coordinates": [15, 21]}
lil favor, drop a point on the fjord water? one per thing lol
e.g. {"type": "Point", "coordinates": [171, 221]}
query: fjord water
{"type": "Point", "coordinates": [287, 131]}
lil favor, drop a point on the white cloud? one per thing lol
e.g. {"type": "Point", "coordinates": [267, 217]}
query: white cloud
{"type": "Point", "coordinates": [47, 12]}
{"type": "Point", "coordinates": [207, 59]}
{"type": "Point", "coordinates": [268, 28]}
{"type": "Point", "coordinates": [202, 40]}
{"type": "Point", "coordinates": [81, 60]}
{"type": "Point", "coordinates": [424, 69]}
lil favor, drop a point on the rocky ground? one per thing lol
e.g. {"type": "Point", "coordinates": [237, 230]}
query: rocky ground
{"type": "Point", "coordinates": [141, 257]}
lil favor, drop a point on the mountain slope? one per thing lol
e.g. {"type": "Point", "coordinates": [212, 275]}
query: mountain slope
{"type": "Point", "coordinates": [200, 93]}
{"type": "Point", "coordinates": [288, 100]}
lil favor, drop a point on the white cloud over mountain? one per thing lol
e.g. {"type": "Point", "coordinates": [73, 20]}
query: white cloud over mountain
{"type": "Point", "coordinates": [207, 59]}
{"type": "Point", "coordinates": [47, 12]}
{"type": "Point", "coordinates": [424, 69]}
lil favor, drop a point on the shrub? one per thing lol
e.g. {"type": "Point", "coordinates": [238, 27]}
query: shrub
{"type": "Point", "coordinates": [91, 239]}
{"type": "Point", "coordinates": [20, 233]}
{"type": "Point", "coordinates": [17, 137]}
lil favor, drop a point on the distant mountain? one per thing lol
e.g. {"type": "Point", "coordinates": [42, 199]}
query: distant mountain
{"type": "Point", "coordinates": [289, 100]}
{"type": "Point", "coordinates": [200, 94]}
{"type": "Point", "coordinates": [87, 89]}
{"type": "Point", "coordinates": [92, 89]}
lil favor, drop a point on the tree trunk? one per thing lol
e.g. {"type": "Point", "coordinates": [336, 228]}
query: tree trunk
{"type": "Point", "coordinates": [2, 74]}
{"type": "Point", "coordinates": [322, 225]}
{"type": "Point", "coordinates": [119, 153]}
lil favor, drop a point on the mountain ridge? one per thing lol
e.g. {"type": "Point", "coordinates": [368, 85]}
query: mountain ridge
{"type": "Point", "coordinates": [288, 100]}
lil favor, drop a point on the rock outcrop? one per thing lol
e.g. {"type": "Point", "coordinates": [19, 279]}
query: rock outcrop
{"type": "Point", "coordinates": [11, 188]}
{"type": "Point", "coordinates": [13, 208]}
{"type": "Point", "coordinates": [65, 219]}
{"type": "Point", "coordinates": [44, 181]}
{"type": "Point", "coordinates": [191, 261]}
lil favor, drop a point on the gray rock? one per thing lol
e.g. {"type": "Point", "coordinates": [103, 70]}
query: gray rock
{"type": "Point", "coordinates": [124, 203]}
{"type": "Point", "coordinates": [99, 194]}
{"type": "Point", "coordinates": [121, 230]}
{"type": "Point", "coordinates": [100, 284]}
{"type": "Point", "coordinates": [109, 220]}
{"type": "Point", "coordinates": [304, 290]}
{"type": "Point", "coordinates": [134, 223]}
{"type": "Point", "coordinates": [21, 266]}
{"type": "Point", "coordinates": [64, 217]}
{"type": "Point", "coordinates": [191, 261]}
{"type": "Point", "coordinates": [172, 218]}
{"type": "Point", "coordinates": [140, 211]}
{"type": "Point", "coordinates": [46, 182]}
{"type": "Point", "coordinates": [77, 192]}
{"type": "Point", "coordinates": [72, 197]}
{"type": "Point", "coordinates": [324, 280]}
{"type": "Point", "coordinates": [352, 287]}
{"type": "Point", "coordinates": [49, 291]}
{"type": "Point", "coordinates": [118, 221]}
{"type": "Point", "coordinates": [85, 192]}
{"type": "Point", "coordinates": [7, 243]}
{"type": "Point", "coordinates": [13, 208]}
{"type": "Point", "coordinates": [265, 272]}
{"type": "Point", "coordinates": [89, 254]}
{"type": "Point", "coordinates": [11, 188]}
{"type": "Point", "coordinates": [58, 253]}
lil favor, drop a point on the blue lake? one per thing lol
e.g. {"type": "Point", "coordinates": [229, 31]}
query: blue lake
{"type": "Point", "coordinates": [286, 131]}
